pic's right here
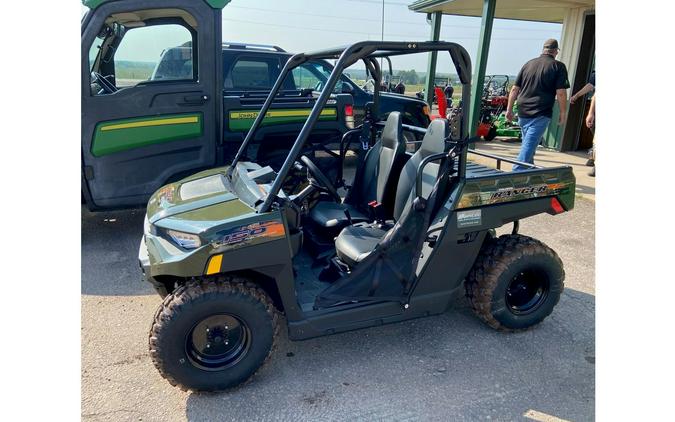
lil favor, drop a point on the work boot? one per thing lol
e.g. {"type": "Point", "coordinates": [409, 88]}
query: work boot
{"type": "Point", "coordinates": [590, 162]}
{"type": "Point", "coordinates": [592, 172]}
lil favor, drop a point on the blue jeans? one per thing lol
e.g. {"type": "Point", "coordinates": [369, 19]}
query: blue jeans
{"type": "Point", "coordinates": [532, 129]}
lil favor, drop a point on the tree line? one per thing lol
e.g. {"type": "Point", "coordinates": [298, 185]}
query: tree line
{"type": "Point", "coordinates": [411, 77]}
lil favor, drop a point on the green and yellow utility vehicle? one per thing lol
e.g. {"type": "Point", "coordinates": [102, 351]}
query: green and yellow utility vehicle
{"type": "Point", "coordinates": [164, 97]}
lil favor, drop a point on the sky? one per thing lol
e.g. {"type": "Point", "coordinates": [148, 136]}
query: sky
{"type": "Point", "coordinates": [304, 25]}
{"type": "Point", "coordinates": [301, 25]}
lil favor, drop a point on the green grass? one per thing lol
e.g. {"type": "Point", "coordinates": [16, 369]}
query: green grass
{"type": "Point", "coordinates": [133, 70]}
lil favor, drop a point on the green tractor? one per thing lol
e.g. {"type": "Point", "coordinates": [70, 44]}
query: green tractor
{"type": "Point", "coordinates": [506, 129]}
{"type": "Point", "coordinates": [492, 119]}
{"type": "Point", "coordinates": [237, 258]}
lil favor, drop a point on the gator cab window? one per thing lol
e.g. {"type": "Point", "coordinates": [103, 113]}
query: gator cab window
{"type": "Point", "coordinates": [154, 53]}
{"type": "Point", "coordinates": [143, 47]}
{"type": "Point", "coordinates": [310, 75]}
{"type": "Point", "coordinates": [252, 73]}
{"type": "Point", "coordinates": [93, 51]}
{"type": "Point", "coordinates": [313, 75]}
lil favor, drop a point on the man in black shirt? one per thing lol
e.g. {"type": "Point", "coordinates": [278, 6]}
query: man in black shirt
{"type": "Point", "coordinates": [539, 83]}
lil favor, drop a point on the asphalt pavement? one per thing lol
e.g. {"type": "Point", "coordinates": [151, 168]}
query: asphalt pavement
{"type": "Point", "coordinates": [446, 367]}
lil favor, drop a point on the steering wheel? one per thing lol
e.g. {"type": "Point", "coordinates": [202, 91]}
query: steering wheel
{"type": "Point", "coordinates": [321, 179]}
{"type": "Point", "coordinates": [105, 84]}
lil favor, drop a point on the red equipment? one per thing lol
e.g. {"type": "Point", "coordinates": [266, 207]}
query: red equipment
{"type": "Point", "coordinates": [442, 104]}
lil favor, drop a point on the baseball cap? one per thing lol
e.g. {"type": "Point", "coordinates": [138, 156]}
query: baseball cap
{"type": "Point", "coordinates": [551, 44]}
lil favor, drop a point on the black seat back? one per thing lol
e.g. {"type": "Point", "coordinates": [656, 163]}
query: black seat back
{"type": "Point", "coordinates": [383, 265]}
{"type": "Point", "coordinates": [374, 181]}
{"type": "Point", "coordinates": [433, 143]}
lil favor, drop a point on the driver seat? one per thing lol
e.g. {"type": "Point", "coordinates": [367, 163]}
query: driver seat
{"type": "Point", "coordinates": [355, 243]}
{"type": "Point", "coordinates": [373, 182]}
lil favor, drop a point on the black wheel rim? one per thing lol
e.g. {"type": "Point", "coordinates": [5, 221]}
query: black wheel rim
{"type": "Point", "coordinates": [527, 291]}
{"type": "Point", "coordinates": [218, 342]}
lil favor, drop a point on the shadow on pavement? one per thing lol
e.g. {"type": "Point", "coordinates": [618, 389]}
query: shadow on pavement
{"type": "Point", "coordinates": [446, 367]}
{"type": "Point", "coordinates": [110, 253]}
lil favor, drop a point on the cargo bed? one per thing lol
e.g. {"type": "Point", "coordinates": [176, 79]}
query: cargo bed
{"type": "Point", "coordinates": [474, 169]}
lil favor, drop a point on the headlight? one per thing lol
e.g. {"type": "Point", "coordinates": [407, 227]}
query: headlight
{"type": "Point", "coordinates": [185, 240]}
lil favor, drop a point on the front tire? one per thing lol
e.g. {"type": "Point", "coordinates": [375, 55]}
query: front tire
{"type": "Point", "coordinates": [515, 282]}
{"type": "Point", "coordinates": [212, 335]}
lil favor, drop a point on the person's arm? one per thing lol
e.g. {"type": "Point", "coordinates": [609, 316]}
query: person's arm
{"type": "Point", "coordinates": [583, 91]}
{"type": "Point", "coordinates": [590, 118]}
{"type": "Point", "coordinates": [512, 100]}
{"type": "Point", "coordinates": [562, 84]}
{"type": "Point", "coordinates": [513, 95]}
{"type": "Point", "coordinates": [561, 96]}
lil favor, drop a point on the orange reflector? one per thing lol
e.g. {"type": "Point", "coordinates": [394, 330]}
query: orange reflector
{"type": "Point", "coordinates": [214, 264]}
{"type": "Point", "coordinates": [556, 206]}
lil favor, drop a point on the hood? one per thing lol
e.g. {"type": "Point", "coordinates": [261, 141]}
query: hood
{"type": "Point", "coordinates": [208, 191]}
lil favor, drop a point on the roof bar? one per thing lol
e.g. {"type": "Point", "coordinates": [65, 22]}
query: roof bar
{"type": "Point", "coordinates": [253, 46]}
{"type": "Point", "coordinates": [346, 57]}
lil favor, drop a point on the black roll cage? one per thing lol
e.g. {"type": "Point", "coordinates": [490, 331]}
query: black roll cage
{"type": "Point", "coordinates": [369, 52]}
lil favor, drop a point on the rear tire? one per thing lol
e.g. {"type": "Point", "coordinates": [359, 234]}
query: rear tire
{"type": "Point", "coordinates": [212, 335]}
{"type": "Point", "coordinates": [515, 282]}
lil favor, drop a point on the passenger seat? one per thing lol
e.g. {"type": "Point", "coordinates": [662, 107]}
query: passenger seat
{"type": "Point", "coordinates": [374, 182]}
{"type": "Point", "coordinates": [355, 243]}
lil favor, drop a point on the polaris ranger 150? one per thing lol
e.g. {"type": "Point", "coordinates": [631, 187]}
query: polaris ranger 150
{"type": "Point", "coordinates": [231, 251]}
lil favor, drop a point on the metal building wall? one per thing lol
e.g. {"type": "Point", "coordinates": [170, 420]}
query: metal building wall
{"type": "Point", "coordinates": [570, 44]}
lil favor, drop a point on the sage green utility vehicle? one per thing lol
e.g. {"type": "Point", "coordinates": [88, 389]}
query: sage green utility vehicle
{"type": "Point", "coordinates": [232, 249]}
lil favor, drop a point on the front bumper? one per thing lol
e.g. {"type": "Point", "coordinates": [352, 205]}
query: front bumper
{"type": "Point", "coordinates": [144, 263]}
{"type": "Point", "coordinates": [161, 262]}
